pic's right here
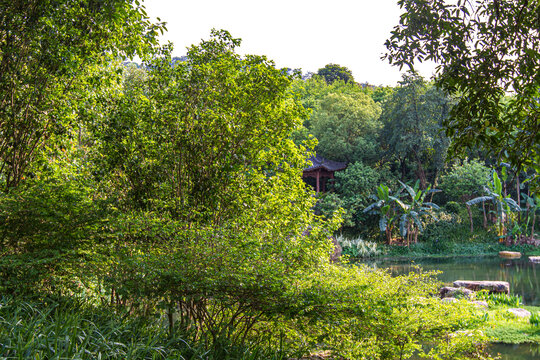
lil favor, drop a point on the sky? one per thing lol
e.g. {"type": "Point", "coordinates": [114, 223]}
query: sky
{"type": "Point", "coordinates": [295, 33]}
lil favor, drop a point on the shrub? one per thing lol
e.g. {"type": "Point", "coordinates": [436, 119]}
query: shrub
{"type": "Point", "coordinates": [534, 319]}
{"type": "Point", "coordinates": [499, 299]}
{"type": "Point", "coordinates": [464, 182]}
{"type": "Point", "coordinates": [453, 207]}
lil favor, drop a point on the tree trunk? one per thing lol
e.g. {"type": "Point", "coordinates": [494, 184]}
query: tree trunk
{"type": "Point", "coordinates": [485, 216]}
{"type": "Point", "coordinates": [518, 197]}
{"type": "Point", "coordinates": [435, 181]}
{"type": "Point", "coordinates": [470, 217]}
{"type": "Point", "coordinates": [420, 172]}
{"type": "Point", "coordinates": [171, 319]}
{"type": "Point", "coordinates": [532, 228]}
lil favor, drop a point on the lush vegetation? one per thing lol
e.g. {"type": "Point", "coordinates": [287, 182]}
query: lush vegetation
{"type": "Point", "coordinates": [400, 186]}
{"type": "Point", "coordinates": [157, 210]}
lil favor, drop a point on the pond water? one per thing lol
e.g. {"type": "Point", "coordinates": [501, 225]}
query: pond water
{"type": "Point", "coordinates": [523, 276]}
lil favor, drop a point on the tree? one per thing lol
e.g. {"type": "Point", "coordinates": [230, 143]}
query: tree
{"type": "Point", "coordinates": [486, 49]}
{"type": "Point", "coordinates": [413, 117]}
{"type": "Point", "coordinates": [503, 204]}
{"type": "Point", "coordinates": [346, 127]}
{"type": "Point", "coordinates": [385, 207]}
{"type": "Point", "coordinates": [465, 181]}
{"type": "Point", "coordinates": [213, 211]}
{"type": "Point", "coordinates": [410, 224]}
{"type": "Point", "coordinates": [333, 72]}
{"type": "Point", "coordinates": [49, 55]}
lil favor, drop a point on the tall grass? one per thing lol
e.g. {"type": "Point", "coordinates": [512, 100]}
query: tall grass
{"type": "Point", "coordinates": [75, 331]}
{"type": "Point", "coordinates": [358, 247]}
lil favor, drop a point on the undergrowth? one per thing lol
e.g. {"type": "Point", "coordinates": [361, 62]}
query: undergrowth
{"type": "Point", "coordinates": [75, 331]}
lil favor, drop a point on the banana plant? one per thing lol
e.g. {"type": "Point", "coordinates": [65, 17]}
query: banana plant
{"type": "Point", "coordinates": [384, 206]}
{"type": "Point", "coordinates": [412, 213]}
{"type": "Point", "coordinates": [533, 204]}
{"type": "Point", "coordinates": [503, 204]}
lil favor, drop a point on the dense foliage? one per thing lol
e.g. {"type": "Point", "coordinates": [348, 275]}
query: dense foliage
{"type": "Point", "coordinates": [47, 62]}
{"type": "Point", "coordinates": [486, 49]}
{"type": "Point", "coordinates": [157, 210]}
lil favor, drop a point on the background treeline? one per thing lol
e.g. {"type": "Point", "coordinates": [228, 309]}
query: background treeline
{"type": "Point", "coordinates": [396, 137]}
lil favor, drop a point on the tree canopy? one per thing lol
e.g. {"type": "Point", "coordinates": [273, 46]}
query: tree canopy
{"type": "Point", "coordinates": [49, 51]}
{"type": "Point", "coordinates": [413, 117]}
{"type": "Point", "coordinates": [486, 50]}
{"type": "Point", "coordinates": [333, 72]}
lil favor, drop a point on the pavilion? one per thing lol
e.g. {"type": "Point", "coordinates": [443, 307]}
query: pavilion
{"type": "Point", "coordinates": [321, 170]}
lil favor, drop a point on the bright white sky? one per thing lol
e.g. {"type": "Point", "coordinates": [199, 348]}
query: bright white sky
{"type": "Point", "coordinates": [295, 33]}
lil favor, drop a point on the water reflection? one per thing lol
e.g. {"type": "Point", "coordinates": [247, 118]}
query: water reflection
{"type": "Point", "coordinates": [520, 273]}
{"type": "Point", "coordinates": [516, 352]}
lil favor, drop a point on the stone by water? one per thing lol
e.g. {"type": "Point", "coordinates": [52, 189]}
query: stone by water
{"type": "Point", "coordinates": [522, 274]}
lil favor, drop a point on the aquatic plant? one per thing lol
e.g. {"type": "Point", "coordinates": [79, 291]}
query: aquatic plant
{"type": "Point", "coordinates": [499, 299]}
{"type": "Point", "coordinates": [534, 319]}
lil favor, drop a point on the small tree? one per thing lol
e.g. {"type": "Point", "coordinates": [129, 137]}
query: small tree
{"type": "Point", "coordinates": [503, 204]}
{"type": "Point", "coordinates": [333, 72]}
{"type": "Point", "coordinates": [384, 206]}
{"type": "Point", "coordinates": [410, 224]}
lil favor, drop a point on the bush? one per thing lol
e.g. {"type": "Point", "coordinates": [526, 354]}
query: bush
{"type": "Point", "coordinates": [464, 182]}
{"type": "Point", "coordinates": [453, 207]}
{"type": "Point", "coordinates": [354, 186]}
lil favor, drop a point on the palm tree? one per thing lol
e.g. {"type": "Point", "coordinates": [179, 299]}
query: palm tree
{"type": "Point", "coordinates": [391, 208]}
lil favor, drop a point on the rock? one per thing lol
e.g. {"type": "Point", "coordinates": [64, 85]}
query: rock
{"type": "Point", "coordinates": [480, 304]}
{"type": "Point", "coordinates": [448, 292]}
{"type": "Point", "coordinates": [534, 259]}
{"type": "Point", "coordinates": [510, 254]}
{"type": "Point", "coordinates": [522, 313]}
{"type": "Point", "coordinates": [449, 300]}
{"type": "Point", "coordinates": [491, 286]}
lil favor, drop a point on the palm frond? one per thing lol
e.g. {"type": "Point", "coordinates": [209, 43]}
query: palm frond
{"type": "Point", "coordinates": [409, 189]}
{"type": "Point", "coordinates": [417, 221]}
{"type": "Point", "coordinates": [479, 200]}
{"type": "Point", "coordinates": [403, 225]}
{"type": "Point", "coordinates": [432, 205]}
{"type": "Point", "coordinates": [383, 223]}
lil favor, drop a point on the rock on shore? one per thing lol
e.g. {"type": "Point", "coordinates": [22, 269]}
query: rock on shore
{"type": "Point", "coordinates": [491, 286]}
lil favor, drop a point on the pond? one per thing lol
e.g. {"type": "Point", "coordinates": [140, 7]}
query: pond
{"type": "Point", "coordinates": [523, 276]}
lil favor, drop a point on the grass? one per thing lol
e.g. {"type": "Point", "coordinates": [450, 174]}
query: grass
{"type": "Point", "coordinates": [503, 327]}
{"type": "Point", "coordinates": [75, 331]}
{"type": "Point", "coordinates": [463, 249]}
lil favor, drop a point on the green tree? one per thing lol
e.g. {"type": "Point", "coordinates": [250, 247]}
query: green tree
{"type": "Point", "coordinates": [486, 49]}
{"type": "Point", "coordinates": [49, 51]}
{"type": "Point", "coordinates": [413, 118]}
{"type": "Point", "coordinates": [385, 207]}
{"type": "Point", "coordinates": [465, 181]}
{"type": "Point", "coordinates": [346, 127]}
{"type": "Point", "coordinates": [333, 72]}
{"type": "Point", "coordinates": [504, 205]}
{"type": "Point", "coordinates": [213, 212]}
{"type": "Point", "coordinates": [412, 213]}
